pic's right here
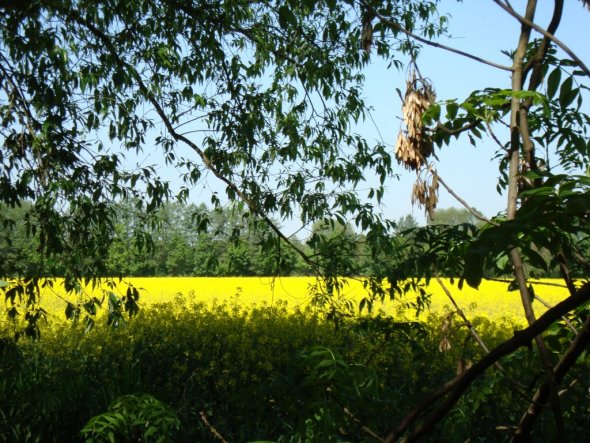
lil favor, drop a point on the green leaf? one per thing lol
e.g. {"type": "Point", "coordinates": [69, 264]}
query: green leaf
{"type": "Point", "coordinates": [473, 272]}
{"type": "Point", "coordinates": [286, 17]}
{"type": "Point", "coordinates": [452, 109]}
{"type": "Point", "coordinates": [432, 114]}
{"type": "Point", "coordinates": [3, 284]}
{"type": "Point", "coordinates": [512, 286]}
{"type": "Point", "coordinates": [89, 324]}
{"type": "Point", "coordinates": [71, 311]}
{"type": "Point", "coordinates": [531, 293]}
{"type": "Point", "coordinates": [566, 94]}
{"type": "Point", "coordinates": [326, 363]}
{"type": "Point", "coordinates": [553, 82]}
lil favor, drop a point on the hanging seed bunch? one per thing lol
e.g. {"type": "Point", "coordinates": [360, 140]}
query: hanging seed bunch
{"type": "Point", "coordinates": [367, 31]}
{"type": "Point", "coordinates": [414, 145]}
{"type": "Point", "coordinates": [425, 192]}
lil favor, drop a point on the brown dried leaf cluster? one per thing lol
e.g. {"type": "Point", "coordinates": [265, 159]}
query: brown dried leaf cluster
{"type": "Point", "coordinates": [367, 32]}
{"type": "Point", "coordinates": [426, 194]}
{"type": "Point", "coordinates": [414, 145]}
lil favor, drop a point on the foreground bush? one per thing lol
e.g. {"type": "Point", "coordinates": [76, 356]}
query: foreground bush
{"type": "Point", "coordinates": [255, 374]}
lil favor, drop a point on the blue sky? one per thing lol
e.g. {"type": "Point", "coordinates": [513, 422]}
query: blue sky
{"type": "Point", "coordinates": [479, 27]}
{"type": "Point", "coordinates": [476, 26]}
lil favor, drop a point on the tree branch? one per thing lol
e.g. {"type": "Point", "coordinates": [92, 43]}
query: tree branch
{"type": "Point", "coordinates": [530, 23]}
{"type": "Point", "coordinates": [443, 128]}
{"type": "Point", "coordinates": [395, 25]}
{"type": "Point", "coordinates": [465, 204]}
{"type": "Point", "coordinates": [535, 63]}
{"type": "Point", "coordinates": [566, 362]}
{"type": "Point", "coordinates": [74, 15]}
{"type": "Point", "coordinates": [457, 386]}
{"type": "Point", "coordinates": [519, 129]}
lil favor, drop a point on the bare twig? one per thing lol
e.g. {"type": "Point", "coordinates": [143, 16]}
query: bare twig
{"type": "Point", "coordinates": [474, 333]}
{"type": "Point", "coordinates": [208, 425]}
{"type": "Point", "coordinates": [538, 282]}
{"type": "Point", "coordinates": [465, 204]}
{"type": "Point", "coordinates": [494, 136]}
{"type": "Point", "coordinates": [565, 272]}
{"type": "Point", "coordinates": [459, 311]}
{"type": "Point", "coordinates": [364, 428]}
{"type": "Point", "coordinates": [396, 26]}
{"type": "Point", "coordinates": [565, 319]}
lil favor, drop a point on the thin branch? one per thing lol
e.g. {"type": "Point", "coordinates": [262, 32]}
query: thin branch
{"type": "Point", "coordinates": [565, 319]}
{"type": "Point", "coordinates": [208, 425]}
{"type": "Point", "coordinates": [535, 63]}
{"type": "Point", "coordinates": [495, 137]}
{"type": "Point", "coordinates": [565, 272]}
{"type": "Point", "coordinates": [75, 15]}
{"type": "Point", "coordinates": [446, 130]}
{"type": "Point", "coordinates": [581, 260]}
{"type": "Point", "coordinates": [537, 282]}
{"type": "Point", "coordinates": [458, 309]}
{"type": "Point", "coordinates": [466, 205]}
{"type": "Point", "coordinates": [395, 25]}
{"type": "Point", "coordinates": [364, 428]}
{"type": "Point", "coordinates": [474, 333]}
{"type": "Point", "coordinates": [519, 135]}
{"type": "Point", "coordinates": [543, 32]}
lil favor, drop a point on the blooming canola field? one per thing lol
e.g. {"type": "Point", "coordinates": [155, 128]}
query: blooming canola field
{"type": "Point", "coordinates": [492, 299]}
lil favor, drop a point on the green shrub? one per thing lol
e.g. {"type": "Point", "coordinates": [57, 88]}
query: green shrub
{"type": "Point", "coordinates": [133, 418]}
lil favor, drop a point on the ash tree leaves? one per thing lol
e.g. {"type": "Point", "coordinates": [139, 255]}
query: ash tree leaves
{"type": "Point", "coordinates": [553, 82]}
{"type": "Point", "coordinates": [261, 96]}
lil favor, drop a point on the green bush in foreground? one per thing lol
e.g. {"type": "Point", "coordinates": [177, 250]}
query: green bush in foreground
{"type": "Point", "coordinates": [183, 372]}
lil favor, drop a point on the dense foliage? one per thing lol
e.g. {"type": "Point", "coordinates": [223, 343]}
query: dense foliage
{"type": "Point", "coordinates": [264, 99]}
{"type": "Point", "coordinates": [258, 374]}
{"type": "Point", "coordinates": [229, 246]}
{"type": "Point", "coordinates": [175, 246]}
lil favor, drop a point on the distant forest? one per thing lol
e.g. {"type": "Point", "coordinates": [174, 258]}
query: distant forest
{"type": "Point", "coordinates": [185, 240]}
{"type": "Point", "coordinates": [194, 240]}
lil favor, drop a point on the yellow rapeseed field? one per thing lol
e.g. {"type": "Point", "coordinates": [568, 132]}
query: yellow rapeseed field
{"type": "Point", "coordinates": [491, 300]}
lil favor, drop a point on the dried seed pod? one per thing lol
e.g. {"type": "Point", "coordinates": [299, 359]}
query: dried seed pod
{"type": "Point", "coordinates": [367, 32]}
{"type": "Point", "coordinates": [444, 345]}
{"type": "Point", "coordinates": [426, 194]}
{"type": "Point", "coordinates": [416, 145]}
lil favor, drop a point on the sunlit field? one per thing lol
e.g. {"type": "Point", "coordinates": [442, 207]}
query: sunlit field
{"type": "Point", "coordinates": [492, 300]}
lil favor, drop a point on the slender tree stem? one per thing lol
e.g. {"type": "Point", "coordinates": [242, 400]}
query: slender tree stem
{"type": "Point", "coordinates": [459, 311]}
{"type": "Point", "coordinates": [519, 134]}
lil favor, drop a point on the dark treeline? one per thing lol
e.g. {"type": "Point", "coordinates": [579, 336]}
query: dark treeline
{"type": "Point", "coordinates": [194, 240]}
{"type": "Point", "coordinates": [186, 240]}
{"type": "Point", "coordinates": [180, 240]}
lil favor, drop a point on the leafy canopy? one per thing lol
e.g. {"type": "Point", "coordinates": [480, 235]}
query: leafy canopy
{"type": "Point", "coordinates": [260, 96]}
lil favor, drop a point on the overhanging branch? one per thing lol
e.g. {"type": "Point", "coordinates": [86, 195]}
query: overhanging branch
{"type": "Point", "coordinates": [456, 387]}
{"type": "Point", "coordinates": [104, 39]}
{"type": "Point", "coordinates": [396, 26]}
